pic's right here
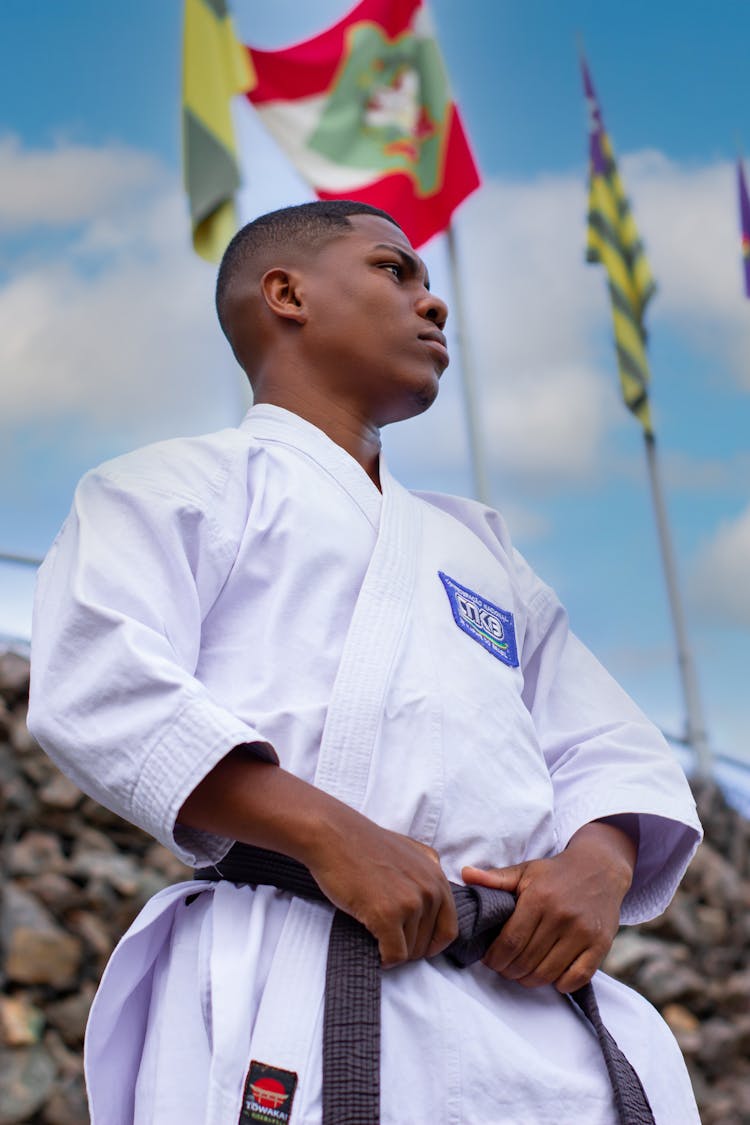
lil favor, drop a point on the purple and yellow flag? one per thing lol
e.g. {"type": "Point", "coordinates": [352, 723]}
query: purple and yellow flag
{"type": "Point", "coordinates": [614, 242]}
{"type": "Point", "coordinates": [744, 224]}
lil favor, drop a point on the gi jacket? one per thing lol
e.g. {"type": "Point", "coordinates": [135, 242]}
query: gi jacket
{"type": "Point", "coordinates": [394, 650]}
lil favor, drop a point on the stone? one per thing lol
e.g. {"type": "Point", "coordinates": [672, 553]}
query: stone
{"type": "Point", "coordinates": [713, 876]}
{"type": "Point", "coordinates": [742, 1029]}
{"type": "Point", "coordinates": [67, 1103]}
{"type": "Point", "coordinates": [718, 1047]}
{"type": "Point", "coordinates": [629, 950]}
{"type": "Point", "coordinates": [161, 859]}
{"type": "Point", "coordinates": [56, 892]}
{"type": "Point", "coordinates": [26, 1078]}
{"type": "Point", "coordinates": [43, 957]}
{"type": "Point", "coordinates": [720, 1110]}
{"type": "Point", "coordinates": [4, 720]}
{"type": "Point", "coordinates": [101, 897]}
{"type": "Point", "coordinates": [718, 963]}
{"type": "Point", "coordinates": [712, 925]}
{"type": "Point", "coordinates": [95, 814]}
{"type": "Point", "coordinates": [20, 737]}
{"type": "Point", "coordinates": [69, 1016]}
{"type": "Point", "coordinates": [119, 871]}
{"type": "Point", "coordinates": [689, 1041]}
{"type": "Point", "coordinates": [14, 677]}
{"type": "Point", "coordinates": [663, 981]}
{"type": "Point", "coordinates": [20, 909]}
{"type": "Point", "coordinates": [35, 853]}
{"type": "Point", "coordinates": [60, 793]}
{"type": "Point", "coordinates": [37, 769]}
{"type": "Point", "coordinates": [679, 1018]}
{"type": "Point", "coordinates": [678, 922]}
{"type": "Point", "coordinates": [69, 1063]}
{"type": "Point", "coordinates": [94, 931]}
{"type": "Point", "coordinates": [21, 1023]}
{"type": "Point", "coordinates": [90, 839]}
{"type": "Point", "coordinates": [734, 992]}
{"type": "Point", "coordinates": [18, 795]}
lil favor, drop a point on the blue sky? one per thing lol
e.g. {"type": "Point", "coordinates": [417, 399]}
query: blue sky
{"type": "Point", "coordinates": [107, 337]}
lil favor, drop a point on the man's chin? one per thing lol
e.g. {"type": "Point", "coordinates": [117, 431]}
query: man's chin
{"type": "Point", "coordinates": [425, 397]}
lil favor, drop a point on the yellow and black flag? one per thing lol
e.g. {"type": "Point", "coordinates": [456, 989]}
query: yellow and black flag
{"type": "Point", "coordinates": [613, 241]}
{"type": "Point", "coordinates": [216, 66]}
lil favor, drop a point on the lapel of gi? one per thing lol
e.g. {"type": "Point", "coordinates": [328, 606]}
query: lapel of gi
{"type": "Point", "coordinates": [377, 626]}
{"type": "Point", "coordinates": [287, 1030]}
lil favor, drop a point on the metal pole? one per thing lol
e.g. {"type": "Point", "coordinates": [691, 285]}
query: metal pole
{"type": "Point", "coordinates": [476, 448]}
{"type": "Point", "coordinates": [20, 560]}
{"type": "Point", "coordinates": [696, 731]}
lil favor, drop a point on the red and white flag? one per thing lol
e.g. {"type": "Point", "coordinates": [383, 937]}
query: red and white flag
{"type": "Point", "coordinates": [365, 112]}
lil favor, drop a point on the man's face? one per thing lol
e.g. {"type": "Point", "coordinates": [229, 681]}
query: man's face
{"type": "Point", "coordinates": [375, 328]}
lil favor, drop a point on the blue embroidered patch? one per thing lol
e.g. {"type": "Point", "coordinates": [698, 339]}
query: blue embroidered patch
{"type": "Point", "coordinates": [487, 623]}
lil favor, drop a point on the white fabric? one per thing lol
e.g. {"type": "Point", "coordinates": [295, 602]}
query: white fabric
{"type": "Point", "coordinates": [253, 585]}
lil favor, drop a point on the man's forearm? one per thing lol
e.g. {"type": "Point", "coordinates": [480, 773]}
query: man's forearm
{"type": "Point", "coordinates": [391, 884]}
{"type": "Point", "coordinates": [256, 802]}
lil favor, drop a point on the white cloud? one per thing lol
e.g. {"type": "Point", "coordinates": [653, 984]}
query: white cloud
{"type": "Point", "coordinates": [117, 330]}
{"type": "Point", "coordinates": [704, 474]}
{"type": "Point", "coordinates": [531, 305]}
{"type": "Point", "coordinates": [688, 219]}
{"type": "Point", "coordinates": [683, 471]}
{"type": "Point", "coordinates": [120, 328]}
{"type": "Point", "coordinates": [535, 308]}
{"type": "Point", "coordinates": [70, 183]}
{"type": "Point", "coordinates": [719, 582]}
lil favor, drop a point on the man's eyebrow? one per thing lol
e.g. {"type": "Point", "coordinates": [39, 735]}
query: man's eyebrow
{"type": "Point", "coordinates": [414, 264]}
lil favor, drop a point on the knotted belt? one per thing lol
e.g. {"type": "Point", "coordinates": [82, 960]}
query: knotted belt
{"type": "Point", "coordinates": [351, 1022]}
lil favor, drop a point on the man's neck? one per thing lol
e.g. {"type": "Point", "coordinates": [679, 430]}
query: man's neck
{"type": "Point", "coordinates": [359, 438]}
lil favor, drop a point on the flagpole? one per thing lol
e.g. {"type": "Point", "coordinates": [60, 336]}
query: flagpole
{"type": "Point", "coordinates": [695, 734]}
{"type": "Point", "coordinates": [468, 382]}
{"type": "Point", "coordinates": [20, 560]}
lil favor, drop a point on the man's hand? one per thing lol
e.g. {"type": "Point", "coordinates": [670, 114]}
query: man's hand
{"type": "Point", "coordinates": [391, 884]}
{"type": "Point", "coordinates": [567, 912]}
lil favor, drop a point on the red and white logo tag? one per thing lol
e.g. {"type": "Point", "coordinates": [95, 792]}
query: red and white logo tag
{"type": "Point", "coordinates": [268, 1096]}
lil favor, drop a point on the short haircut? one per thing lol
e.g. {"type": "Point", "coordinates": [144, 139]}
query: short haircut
{"type": "Point", "coordinates": [306, 225]}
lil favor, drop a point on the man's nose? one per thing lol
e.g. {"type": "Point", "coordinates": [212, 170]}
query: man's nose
{"type": "Point", "coordinates": [432, 308]}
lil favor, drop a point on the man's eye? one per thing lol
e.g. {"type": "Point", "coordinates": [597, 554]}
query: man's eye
{"type": "Point", "coordinates": [395, 268]}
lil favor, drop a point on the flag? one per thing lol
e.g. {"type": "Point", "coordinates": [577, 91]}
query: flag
{"type": "Point", "coordinates": [744, 223]}
{"type": "Point", "coordinates": [364, 111]}
{"type": "Point", "coordinates": [613, 241]}
{"type": "Point", "coordinates": [215, 68]}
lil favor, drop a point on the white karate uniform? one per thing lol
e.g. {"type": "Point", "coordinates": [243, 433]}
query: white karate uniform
{"type": "Point", "coordinates": [254, 585]}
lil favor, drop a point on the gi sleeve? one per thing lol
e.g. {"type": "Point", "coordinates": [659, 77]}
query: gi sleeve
{"type": "Point", "coordinates": [604, 756]}
{"type": "Point", "coordinates": [116, 633]}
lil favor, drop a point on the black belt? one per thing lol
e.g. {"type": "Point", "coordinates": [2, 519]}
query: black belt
{"type": "Point", "coordinates": [351, 1023]}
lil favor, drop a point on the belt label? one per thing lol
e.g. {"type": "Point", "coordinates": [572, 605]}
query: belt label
{"type": "Point", "coordinates": [268, 1095]}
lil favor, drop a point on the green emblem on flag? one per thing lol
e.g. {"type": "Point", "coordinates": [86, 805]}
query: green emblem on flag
{"type": "Point", "coordinates": [388, 108]}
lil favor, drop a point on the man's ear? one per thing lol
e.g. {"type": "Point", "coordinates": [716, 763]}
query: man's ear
{"type": "Point", "coordinates": [282, 292]}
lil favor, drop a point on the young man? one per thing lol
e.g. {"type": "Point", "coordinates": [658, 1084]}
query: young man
{"type": "Point", "coordinates": [260, 636]}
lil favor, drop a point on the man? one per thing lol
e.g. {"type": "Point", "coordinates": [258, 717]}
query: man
{"type": "Point", "coordinates": [259, 636]}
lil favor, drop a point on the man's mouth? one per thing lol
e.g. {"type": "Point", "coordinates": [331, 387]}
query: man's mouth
{"type": "Point", "coordinates": [435, 340]}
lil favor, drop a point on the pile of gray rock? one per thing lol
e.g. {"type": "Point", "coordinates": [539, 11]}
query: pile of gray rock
{"type": "Point", "coordinates": [74, 876]}
{"type": "Point", "coordinates": [693, 963]}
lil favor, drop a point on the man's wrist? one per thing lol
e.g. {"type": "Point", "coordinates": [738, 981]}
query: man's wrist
{"type": "Point", "coordinates": [613, 847]}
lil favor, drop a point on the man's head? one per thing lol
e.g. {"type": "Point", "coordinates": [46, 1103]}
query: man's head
{"type": "Point", "coordinates": [332, 295]}
{"type": "Point", "coordinates": [288, 232]}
